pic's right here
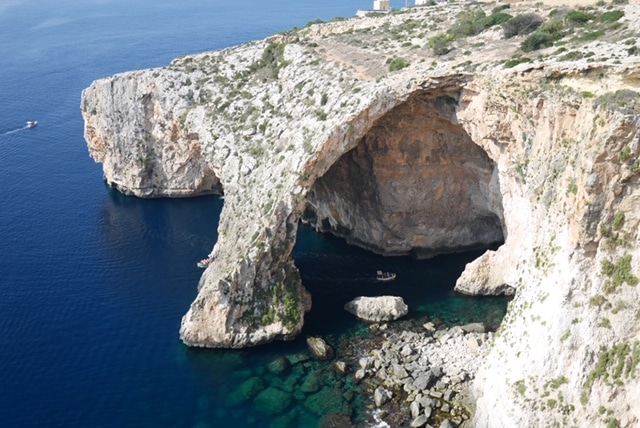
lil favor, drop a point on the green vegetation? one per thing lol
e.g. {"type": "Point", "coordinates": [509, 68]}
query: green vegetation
{"type": "Point", "coordinates": [500, 8]}
{"type": "Point", "coordinates": [397, 63]}
{"type": "Point", "coordinates": [614, 364]}
{"type": "Point", "coordinates": [618, 220]}
{"type": "Point", "coordinates": [440, 43]}
{"type": "Point", "coordinates": [520, 386]}
{"type": "Point", "coordinates": [611, 16]}
{"type": "Point", "coordinates": [625, 154]}
{"type": "Point", "coordinates": [321, 114]}
{"type": "Point", "coordinates": [578, 17]}
{"type": "Point", "coordinates": [521, 25]}
{"type": "Point", "coordinates": [474, 21]}
{"type": "Point", "coordinates": [270, 64]}
{"type": "Point", "coordinates": [604, 323]}
{"type": "Point", "coordinates": [557, 382]}
{"type": "Point", "coordinates": [586, 26]}
{"type": "Point", "coordinates": [537, 40]}
{"type": "Point", "coordinates": [623, 100]}
{"type": "Point", "coordinates": [618, 273]}
{"type": "Point", "coordinates": [597, 300]}
{"type": "Point", "coordinates": [517, 59]}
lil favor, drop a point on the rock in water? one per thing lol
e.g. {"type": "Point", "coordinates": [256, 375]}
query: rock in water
{"type": "Point", "coordinates": [382, 308]}
{"type": "Point", "coordinates": [320, 349]}
{"type": "Point", "coordinates": [272, 401]}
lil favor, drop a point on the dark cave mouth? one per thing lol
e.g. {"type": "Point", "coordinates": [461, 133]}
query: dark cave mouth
{"type": "Point", "coordinates": [415, 185]}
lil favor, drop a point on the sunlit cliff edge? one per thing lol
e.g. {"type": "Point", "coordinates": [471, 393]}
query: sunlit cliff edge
{"type": "Point", "coordinates": [404, 136]}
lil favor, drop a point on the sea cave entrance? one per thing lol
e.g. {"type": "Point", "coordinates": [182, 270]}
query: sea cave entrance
{"type": "Point", "coordinates": [415, 188]}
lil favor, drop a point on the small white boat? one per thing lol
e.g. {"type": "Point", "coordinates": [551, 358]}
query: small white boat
{"type": "Point", "coordinates": [204, 263]}
{"type": "Point", "coordinates": [385, 276]}
{"type": "Point", "coordinates": [32, 123]}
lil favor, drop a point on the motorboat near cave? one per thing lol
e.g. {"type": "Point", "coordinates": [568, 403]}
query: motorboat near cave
{"type": "Point", "coordinates": [385, 276]}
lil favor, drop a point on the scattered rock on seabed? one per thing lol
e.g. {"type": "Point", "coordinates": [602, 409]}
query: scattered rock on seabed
{"type": "Point", "coordinates": [420, 378]}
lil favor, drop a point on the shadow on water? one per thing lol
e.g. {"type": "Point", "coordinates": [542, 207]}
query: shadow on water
{"type": "Point", "coordinates": [335, 273]}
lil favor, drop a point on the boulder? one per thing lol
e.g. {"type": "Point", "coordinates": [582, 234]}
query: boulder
{"type": "Point", "coordinates": [420, 421]}
{"type": "Point", "coordinates": [340, 367]}
{"type": "Point", "coordinates": [423, 380]}
{"type": "Point", "coordinates": [475, 327]}
{"type": "Point", "coordinates": [320, 349]}
{"type": "Point", "coordinates": [381, 396]}
{"type": "Point", "coordinates": [376, 309]}
{"type": "Point", "coordinates": [447, 424]}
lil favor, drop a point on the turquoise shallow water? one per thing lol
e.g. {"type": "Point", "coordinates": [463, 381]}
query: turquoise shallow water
{"type": "Point", "coordinates": [93, 284]}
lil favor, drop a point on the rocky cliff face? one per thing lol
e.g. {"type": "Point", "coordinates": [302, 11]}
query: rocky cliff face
{"type": "Point", "coordinates": [416, 183]}
{"type": "Point", "coordinates": [448, 153]}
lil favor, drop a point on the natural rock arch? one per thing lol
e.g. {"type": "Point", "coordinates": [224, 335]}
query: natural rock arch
{"type": "Point", "coordinates": [415, 184]}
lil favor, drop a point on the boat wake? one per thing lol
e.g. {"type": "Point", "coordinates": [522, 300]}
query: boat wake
{"type": "Point", "coordinates": [13, 131]}
{"type": "Point", "coordinates": [30, 124]}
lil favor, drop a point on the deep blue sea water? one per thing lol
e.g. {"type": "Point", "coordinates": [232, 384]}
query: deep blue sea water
{"type": "Point", "coordinates": [93, 284]}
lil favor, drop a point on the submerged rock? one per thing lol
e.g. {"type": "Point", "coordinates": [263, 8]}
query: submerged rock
{"type": "Point", "coordinates": [279, 365]}
{"type": "Point", "coordinates": [272, 401]}
{"type": "Point", "coordinates": [335, 420]}
{"type": "Point", "coordinates": [246, 390]}
{"type": "Point", "coordinates": [327, 401]}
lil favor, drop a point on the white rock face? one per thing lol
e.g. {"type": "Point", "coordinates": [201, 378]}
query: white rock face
{"type": "Point", "coordinates": [377, 309]}
{"type": "Point", "coordinates": [264, 121]}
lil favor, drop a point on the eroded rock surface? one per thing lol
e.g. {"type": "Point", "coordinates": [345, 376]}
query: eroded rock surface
{"type": "Point", "coordinates": [415, 184]}
{"type": "Point", "coordinates": [543, 154]}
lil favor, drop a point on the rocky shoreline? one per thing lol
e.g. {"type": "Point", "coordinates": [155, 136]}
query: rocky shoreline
{"type": "Point", "coordinates": [418, 376]}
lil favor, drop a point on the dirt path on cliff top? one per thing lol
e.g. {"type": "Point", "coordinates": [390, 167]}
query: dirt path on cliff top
{"type": "Point", "coordinates": [366, 54]}
{"type": "Point", "coordinates": [354, 59]}
{"type": "Point", "coordinates": [368, 65]}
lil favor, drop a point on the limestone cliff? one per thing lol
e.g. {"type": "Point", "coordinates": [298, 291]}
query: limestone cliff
{"type": "Point", "coordinates": [360, 128]}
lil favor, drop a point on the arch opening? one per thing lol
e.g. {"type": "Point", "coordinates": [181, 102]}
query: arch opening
{"type": "Point", "coordinates": [415, 184]}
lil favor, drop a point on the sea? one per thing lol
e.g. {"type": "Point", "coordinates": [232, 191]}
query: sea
{"type": "Point", "coordinates": [93, 284]}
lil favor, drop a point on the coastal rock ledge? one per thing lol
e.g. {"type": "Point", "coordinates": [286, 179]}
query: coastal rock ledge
{"type": "Point", "coordinates": [360, 129]}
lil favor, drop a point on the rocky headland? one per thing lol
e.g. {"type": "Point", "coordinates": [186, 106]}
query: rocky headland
{"type": "Point", "coordinates": [425, 131]}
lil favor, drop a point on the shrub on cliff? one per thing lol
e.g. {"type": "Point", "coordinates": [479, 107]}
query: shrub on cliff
{"type": "Point", "coordinates": [521, 25]}
{"type": "Point", "coordinates": [472, 22]}
{"type": "Point", "coordinates": [467, 23]}
{"type": "Point", "coordinates": [578, 17]}
{"type": "Point", "coordinates": [544, 37]}
{"type": "Point", "coordinates": [397, 63]}
{"type": "Point", "coordinates": [623, 100]}
{"type": "Point", "coordinates": [537, 40]}
{"type": "Point", "coordinates": [611, 16]}
{"type": "Point", "coordinates": [440, 43]}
